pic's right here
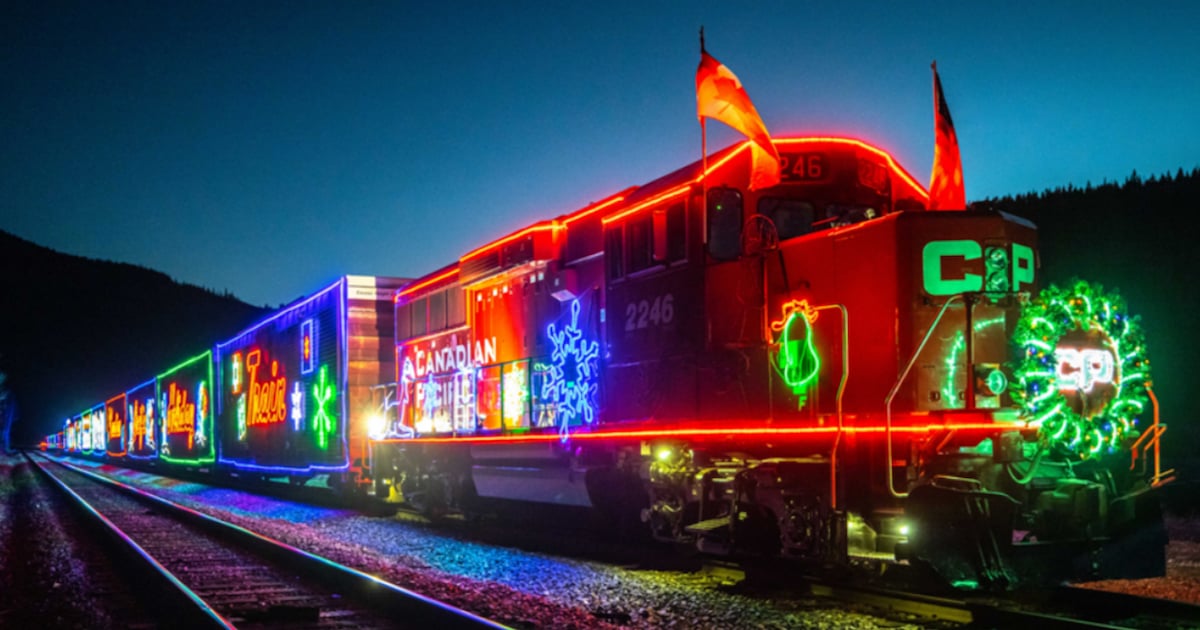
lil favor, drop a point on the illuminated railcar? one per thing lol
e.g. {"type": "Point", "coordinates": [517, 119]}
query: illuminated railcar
{"type": "Point", "coordinates": [116, 427]}
{"type": "Point", "coordinates": [816, 370]}
{"type": "Point", "coordinates": [295, 389]}
{"type": "Point", "coordinates": [142, 428]}
{"type": "Point", "coordinates": [71, 434]}
{"type": "Point", "coordinates": [184, 395]}
{"type": "Point", "coordinates": [92, 430]}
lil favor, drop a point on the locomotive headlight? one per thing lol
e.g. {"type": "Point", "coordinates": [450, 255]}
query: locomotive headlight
{"type": "Point", "coordinates": [903, 529]}
{"type": "Point", "coordinates": [664, 453]}
{"type": "Point", "coordinates": [376, 426]}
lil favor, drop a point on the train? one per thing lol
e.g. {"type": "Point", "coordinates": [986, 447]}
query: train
{"type": "Point", "coordinates": [823, 371]}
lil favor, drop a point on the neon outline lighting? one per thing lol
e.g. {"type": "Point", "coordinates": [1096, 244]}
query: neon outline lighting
{"type": "Point", "coordinates": [139, 423]}
{"type": "Point", "coordinates": [409, 290]}
{"type": "Point", "coordinates": [181, 414]}
{"type": "Point", "coordinates": [235, 378]}
{"type": "Point", "coordinates": [551, 225]}
{"type": "Point", "coordinates": [243, 338]}
{"type": "Point", "coordinates": [267, 402]}
{"type": "Point", "coordinates": [514, 392]}
{"type": "Point", "coordinates": [572, 394]}
{"type": "Point", "coordinates": [243, 431]}
{"type": "Point", "coordinates": [308, 346]}
{"type": "Point", "coordinates": [997, 382]}
{"type": "Point", "coordinates": [537, 227]}
{"type": "Point", "coordinates": [723, 432]}
{"type": "Point", "coordinates": [797, 367]}
{"type": "Point", "coordinates": [324, 393]}
{"type": "Point", "coordinates": [113, 412]}
{"type": "Point", "coordinates": [297, 407]}
{"type": "Point", "coordinates": [598, 206]}
{"type": "Point", "coordinates": [200, 412]}
{"type": "Point", "coordinates": [745, 144]}
{"type": "Point", "coordinates": [99, 429]}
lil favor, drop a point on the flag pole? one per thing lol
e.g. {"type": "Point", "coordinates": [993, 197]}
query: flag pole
{"type": "Point", "coordinates": [703, 163]}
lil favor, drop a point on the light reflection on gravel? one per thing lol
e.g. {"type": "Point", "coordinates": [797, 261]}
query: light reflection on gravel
{"type": "Point", "coordinates": [603, 595]}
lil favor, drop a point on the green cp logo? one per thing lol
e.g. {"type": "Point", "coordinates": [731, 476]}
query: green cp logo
{"type": "Point", "coordinates": [1002, 271]}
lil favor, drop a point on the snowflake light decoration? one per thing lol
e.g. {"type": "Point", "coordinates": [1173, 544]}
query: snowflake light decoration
{"type": "Point", "coordinates": [572, 380]}
{"type": "Point", "coordinates": [324, 394]}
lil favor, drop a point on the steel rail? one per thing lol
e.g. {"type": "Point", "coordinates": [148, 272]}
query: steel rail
{"type": "Point", "coordinates": [408, 606]}
{"type": "Point", "coordinates": [192, 610]}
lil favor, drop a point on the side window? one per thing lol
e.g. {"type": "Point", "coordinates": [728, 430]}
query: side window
{"type": "Point", "coordinates": [437, 311]}
{"type": "Point", "coordinates": [791, 217]}
{"type": "Point", "coordinates": [724, 223]}
{"type": "Point", "coordinates": [455, 313]}
{"type": "Point", "coordinates": [404, 322]}
{"type": "Point", "coordinates": [419, 312]}
{"type": "Point", "coordinates": [639, 242]}
{"type": "Point", "coordinates": [614, 251]}
{"type": "Point", "coordinates": [676, 232]}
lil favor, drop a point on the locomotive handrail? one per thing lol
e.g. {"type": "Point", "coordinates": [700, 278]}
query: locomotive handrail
{"type": "Point", "coordinates": [896, 388]}
{"type": "Point", "coordinates": [1152, 438]}
{"type": "Point", "coordinates": [841, 390]}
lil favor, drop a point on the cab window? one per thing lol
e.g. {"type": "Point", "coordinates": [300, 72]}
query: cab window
{"type": "Point", "coordinates": [791, 217]}
{"type": "Point", "coordinates": [724, 223]}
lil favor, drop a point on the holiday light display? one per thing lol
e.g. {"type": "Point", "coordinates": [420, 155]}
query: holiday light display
{"type": "Point", "coordinates": [308, 347]}
{"type": "Point", "coordinates": [142, 421]}
{"type": "Point", "coordinates": [797, 361]}
{"type": "Point", "coordinates": [117, 421]}
{"type": "Point", "coordinates": [573, 380]}
{"type": "Point", "coordinates": [494, 385]}
{"type": "Point", "coordinates": [186, 408]}
{"type": "Point", "coordinates": [284, 406]}
{"type": "Point", "coordinates": [324, 394]}
{"type": "Point", "coordinates": [1082, 372]}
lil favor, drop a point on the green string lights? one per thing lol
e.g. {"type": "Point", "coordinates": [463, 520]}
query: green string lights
{"type": "Point", "coordinates": [797, 360]}
{"type": "Point", "coordinates": [324, 393]}
{"type": "Point", "coordinates": [1082, 371]}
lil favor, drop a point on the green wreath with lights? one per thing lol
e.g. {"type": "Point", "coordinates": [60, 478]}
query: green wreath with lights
{"type": "Point", "coordinates": [1086, 402]}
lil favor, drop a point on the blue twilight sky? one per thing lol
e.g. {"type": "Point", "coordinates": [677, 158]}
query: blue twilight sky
{"type": "Point", "coordinates": [267, 147]}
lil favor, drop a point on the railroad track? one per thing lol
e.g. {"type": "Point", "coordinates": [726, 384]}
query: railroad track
{"type": "Point", "coordinates": [1064, 607]}
{"type": "Point", "coordinates": [218, 575]}
{"type": "Point", "coordinates": [1061, 607]}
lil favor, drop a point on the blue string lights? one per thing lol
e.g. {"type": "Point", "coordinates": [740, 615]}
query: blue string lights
{"type": "Point", "coordinates": [572, 383]}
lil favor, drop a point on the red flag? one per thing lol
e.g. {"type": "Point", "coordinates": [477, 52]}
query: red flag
{"type": "Point", "coordinates": [946, 182]}
{"type": "Point", "coordinates": [719, 95]}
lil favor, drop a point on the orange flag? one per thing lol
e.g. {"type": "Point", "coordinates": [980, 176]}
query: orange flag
{"type": "Point", "coordinates": [946, 182]}
{"type": "Point", "coordinates": [719, 95]}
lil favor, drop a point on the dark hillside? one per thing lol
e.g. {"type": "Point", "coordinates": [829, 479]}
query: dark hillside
{"type": "Point", "coordinates": [74, 331]}
{"type": "Point", "coordinates": [1138, 237]}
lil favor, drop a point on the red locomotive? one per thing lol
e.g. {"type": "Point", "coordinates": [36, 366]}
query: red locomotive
{"type": "Point", "coordinates": [820, 370]}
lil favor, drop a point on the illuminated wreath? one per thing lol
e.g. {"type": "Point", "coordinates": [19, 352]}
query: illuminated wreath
{"type": "Point", "coordinates": [1082, 372]}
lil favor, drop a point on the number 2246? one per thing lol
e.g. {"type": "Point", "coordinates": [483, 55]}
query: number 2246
{"type": "Point", "coordinates": [643, 314]}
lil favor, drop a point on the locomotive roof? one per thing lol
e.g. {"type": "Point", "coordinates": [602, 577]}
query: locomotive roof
{"type": "Point", "coordinates": [620, 203]}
